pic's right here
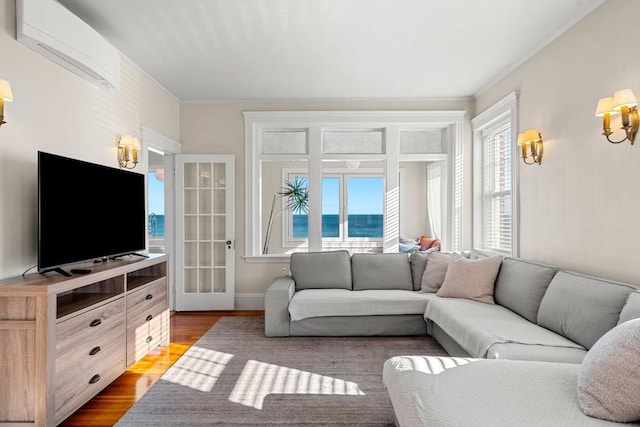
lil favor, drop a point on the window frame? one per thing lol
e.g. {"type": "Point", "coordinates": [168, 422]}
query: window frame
{"type": "Point", "coordinates": [343, 241]}
{"type": "Point", "coordinates": [502, 113]}
{"type": "Point", "coordinates": [451, 123]}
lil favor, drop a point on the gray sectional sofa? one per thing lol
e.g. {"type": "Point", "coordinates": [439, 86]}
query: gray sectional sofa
{"type": "Point", "coordinates": [543, 323]}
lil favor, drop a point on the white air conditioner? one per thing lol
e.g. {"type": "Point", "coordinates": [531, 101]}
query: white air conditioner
{"type": "Point", "coordinates": [50, 29]}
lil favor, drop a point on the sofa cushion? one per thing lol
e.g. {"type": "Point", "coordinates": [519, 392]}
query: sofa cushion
{"type": "Point", "coordinates": [321, 270]}
{"type": "Point", "coordinates": [381, 271]}
{"type": "Point", "coordinates": [446, 391]}
{"type": "Point", "coordinates": [540, 353]}
{"type": "Point", "coordinates": [471, 279]}
{"type": "Point", "coordinates": [436, 270]}
{"type": "Point", "coordinates": [609, 377]}
{"type": "Point", "coordinates": [582, 308]}
{"type": "Point", "coordinates": [341, 302]}
{"type": "Point", "coordinates": [631, 309]}
{"type": "Point", "coordinates": [418, 261]}
{"type": "Point", "coordinates": [520, 286]}
{"type": "Point", "coordinates": [477, 326]}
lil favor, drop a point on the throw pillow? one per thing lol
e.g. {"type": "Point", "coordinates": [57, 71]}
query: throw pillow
{"type": "Point", "coordinates": [609, 376]}
{"type": "Point", "coordinates": [436, 270]}
{"type": "Point", "coordinates": [471, 279]}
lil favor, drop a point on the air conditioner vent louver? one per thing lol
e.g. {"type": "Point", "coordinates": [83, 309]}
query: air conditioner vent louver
{"type": "Point", "coordinates": [53, 31]}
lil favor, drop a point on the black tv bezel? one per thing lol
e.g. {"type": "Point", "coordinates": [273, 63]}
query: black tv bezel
{"type": "Point", "coordinates": [103, 257]}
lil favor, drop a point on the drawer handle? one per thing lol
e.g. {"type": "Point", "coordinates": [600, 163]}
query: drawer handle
{"type": "Point", "coordinates": [149, 296]}
{"type": "Point", "coordinates": [149, 339]}
{"type": "Point", "coordinates": [149, 317]}
{"type": "Point", "coordinates": [95, 323]}
{"type": "Point", "coordinates": [94, 351]}
{"type": "Point", "coordinates": [94, 379]}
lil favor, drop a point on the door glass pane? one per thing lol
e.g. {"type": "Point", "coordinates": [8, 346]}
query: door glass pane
{"type": "Point", "coordinates": [206, 280]}
{"type": "Point", "coordinates": [204, 255]}
{"type": "Point", "coordinates": [219, 227]}
{"type": "Point", "coordinates": [204, 203]}
{"type": "Point", "coordinates": [190, 254]}
{"type": "Point", "coordinates": [219, 173]}
{"type": "Point", "coordinates": [219, 278]}
{"type": "Point", "coordinates": [219, 254]}
{"type": "Point", "coordinates": [204, 228]}
{"type": "Point", "coordinates": [219, 201]}
{"type": "Point", "coordinates": [365, 202]}
{"type": "Point", "coordinates": [190, 280]}
{"type": "Point", "coordinates": [204, 175]}
{"type": "Point", "coordinates": [190, 175]}
{"type": "Point", "coordinates": [190, 227]}
{"type": "Point", "coordinates": [190, 201]}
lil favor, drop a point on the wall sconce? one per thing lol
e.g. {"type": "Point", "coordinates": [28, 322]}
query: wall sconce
{"type": "Point", "coordinates": [5, 95]}
{"type": "Point", "coordinates": [533, 139]}
{"type": "Point", "coordinates": [625, 103]}
{"type": "Point", "coordinates": [128, 147]}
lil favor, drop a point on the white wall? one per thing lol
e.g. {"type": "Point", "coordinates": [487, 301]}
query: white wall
{"type": "Point", "coordinates": [218, 128]}
{"type": "Point", "coordinates": [581, 208]}
{"type": "Point", "coordinates": [54, 110]}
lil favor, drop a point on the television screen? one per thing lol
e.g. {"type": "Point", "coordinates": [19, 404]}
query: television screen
{"type": "Point", "coordinates": [87, 211]}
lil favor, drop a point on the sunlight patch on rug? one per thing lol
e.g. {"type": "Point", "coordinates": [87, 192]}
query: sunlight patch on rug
{"type": "Point", "coordinates": [259, 379]}
{"type": "Point", "coordinates": [198, 368]}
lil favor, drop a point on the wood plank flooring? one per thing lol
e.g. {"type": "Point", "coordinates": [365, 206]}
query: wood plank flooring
{"type": "Point", "coordinates": [111, 404]}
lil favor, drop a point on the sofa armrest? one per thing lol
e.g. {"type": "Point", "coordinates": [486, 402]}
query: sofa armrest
{"type": "Point", "coordinates": [276, 307]}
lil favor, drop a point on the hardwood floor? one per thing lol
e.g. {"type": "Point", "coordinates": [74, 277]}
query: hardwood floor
{"type": "Point", "coordinates": [109, 405]}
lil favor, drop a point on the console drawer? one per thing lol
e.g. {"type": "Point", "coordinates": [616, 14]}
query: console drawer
{"type": "Point", "coordinates": [81, 330]}
{"type": "Point", "coordinates": [147, 311]}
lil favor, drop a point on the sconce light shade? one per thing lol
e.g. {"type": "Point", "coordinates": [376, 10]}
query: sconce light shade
{"type": "Point", "coordinates": [624, 98]}
{"type": "Point", "coordinates": [5, 95]}
{"type": "Point", "coordinates": [605, 106]}
{"type": "Point", "coordinates": [533, 139]}
{"type": "Point", "coordinates": [625, 103]}
{"type": "Point", "coordinates": [128, 147]}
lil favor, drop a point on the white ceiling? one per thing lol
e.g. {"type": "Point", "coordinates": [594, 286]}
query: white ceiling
{"type": "Point", "coordinates": [310, 49]}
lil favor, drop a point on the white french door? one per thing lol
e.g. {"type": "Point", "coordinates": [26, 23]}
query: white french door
{"type": "Point", "coordinates": [205, 233]}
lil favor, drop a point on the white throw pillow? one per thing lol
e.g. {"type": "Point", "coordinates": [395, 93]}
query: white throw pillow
{"type": "Point", "coordinates": [472, 279]}
{"type": "Point", "coordinates": [609, 377]}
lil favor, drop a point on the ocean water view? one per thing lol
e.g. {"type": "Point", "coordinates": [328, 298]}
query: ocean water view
{"type": "Point", "coordinates": [156, 225]}
{"type": "Point", "coordinates": [359, 226]}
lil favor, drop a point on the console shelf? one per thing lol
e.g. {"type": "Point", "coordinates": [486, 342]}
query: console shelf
{"type": "Point", "coordinates": [66, 338]}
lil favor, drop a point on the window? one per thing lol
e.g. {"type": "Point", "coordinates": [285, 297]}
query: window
{"type": "Point", "coordinates": [352, 210]}
{"type": "Point", "coordinates": [495, 196]}
{"type": "Point", "coordinates": [322, 146]}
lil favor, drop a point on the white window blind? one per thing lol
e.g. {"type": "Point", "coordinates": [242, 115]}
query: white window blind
{"type": "Point", "coordinates": [497, 216]}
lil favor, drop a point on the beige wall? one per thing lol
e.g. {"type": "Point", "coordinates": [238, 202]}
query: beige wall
{"type": "Point", "coordinates": [54, 110]}
{"type": "Point", "coordinates": [581, 208]}
{"type": "Point", "coordinates": [218, 128]}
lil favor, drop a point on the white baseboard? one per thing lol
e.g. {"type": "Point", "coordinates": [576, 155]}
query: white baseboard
{"type": "Point", "coordinates": [249, 301]}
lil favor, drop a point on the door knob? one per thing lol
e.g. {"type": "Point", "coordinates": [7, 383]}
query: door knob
{"type": "Point", "coordinates": [228, 242]}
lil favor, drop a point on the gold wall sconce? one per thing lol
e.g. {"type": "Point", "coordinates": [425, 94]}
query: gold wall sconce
{"type": "Point", "coordinates": [625, 103]}
{"type": "Point", "coordinates": [128, 147]}
{"type": "Point", "coordinates": [5, 95]}
{"type": "Point", "coordinates": [533, 139]}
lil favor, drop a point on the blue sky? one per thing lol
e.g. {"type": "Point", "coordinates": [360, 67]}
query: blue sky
{"type": "Point", "coordinates": [156, 195]}
{"type": "Point", "coordinates": [365, 196]}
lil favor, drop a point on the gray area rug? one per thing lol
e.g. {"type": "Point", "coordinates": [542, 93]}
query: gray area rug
{"type": "Point", "coordinates": [236, 376]}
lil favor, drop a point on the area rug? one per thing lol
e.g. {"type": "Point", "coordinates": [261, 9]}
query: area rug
{"type": "Point", "coordinates": [236, 376]}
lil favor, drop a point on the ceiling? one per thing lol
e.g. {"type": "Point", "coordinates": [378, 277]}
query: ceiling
{"type": "Point", "coordinates": [314, 49]}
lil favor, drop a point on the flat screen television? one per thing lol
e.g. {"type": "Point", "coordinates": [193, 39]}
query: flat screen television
{"type": "Point", "coordinates": [87, 211]}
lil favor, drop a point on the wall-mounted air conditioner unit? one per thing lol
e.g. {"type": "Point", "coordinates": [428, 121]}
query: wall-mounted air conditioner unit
{"type": "Point", "coordinates": [52, 30]}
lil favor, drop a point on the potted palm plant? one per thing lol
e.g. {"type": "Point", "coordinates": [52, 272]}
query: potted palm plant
{"type": "Point", "coordinates": [296, 200]}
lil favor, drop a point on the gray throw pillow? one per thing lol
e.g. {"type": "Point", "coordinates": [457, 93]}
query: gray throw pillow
{"type": "Point", "coordinates": [436, 270]}
{"type": "Point", "coordinates": [609, 377]}
{"type": "Point", "coordinates": [472, 279]}
{"type": "Point", "coordinates": [631, 309]}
